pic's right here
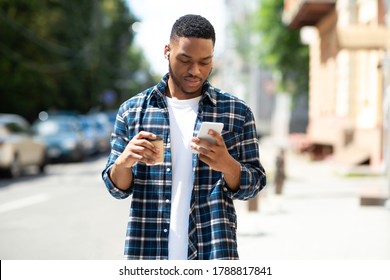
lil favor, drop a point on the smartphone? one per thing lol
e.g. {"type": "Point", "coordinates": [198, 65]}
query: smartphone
{"type": "Point", "coordinates": [204, 131]}
{"type": "Point", "coordinates": [206, 126]}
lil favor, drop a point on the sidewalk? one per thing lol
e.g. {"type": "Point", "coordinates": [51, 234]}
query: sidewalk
{"type": "Point", "coordinates": [318, 216]}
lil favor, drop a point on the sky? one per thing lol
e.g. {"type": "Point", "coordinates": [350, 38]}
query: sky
{"type": "Point", "coordinates": [157, 17]}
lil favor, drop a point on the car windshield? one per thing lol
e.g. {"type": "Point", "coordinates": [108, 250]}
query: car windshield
{"type": "Point", "coordinates": [54, 128]}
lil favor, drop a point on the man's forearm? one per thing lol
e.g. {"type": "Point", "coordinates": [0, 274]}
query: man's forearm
{"type": "Point", "coordinates": [232, 175]}
{"type": "Point", "coordinates": [122, 177]}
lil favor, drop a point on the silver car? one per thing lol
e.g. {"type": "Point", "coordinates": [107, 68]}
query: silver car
{"type": "Point", "coordinates": [18, 147]}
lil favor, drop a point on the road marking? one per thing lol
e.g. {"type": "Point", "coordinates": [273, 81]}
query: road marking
{"type": "Point", "coordinates": [24, 202]}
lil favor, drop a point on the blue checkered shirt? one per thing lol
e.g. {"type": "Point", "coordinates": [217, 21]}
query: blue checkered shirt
{"type": "Point", "coordinates": [212, 218]}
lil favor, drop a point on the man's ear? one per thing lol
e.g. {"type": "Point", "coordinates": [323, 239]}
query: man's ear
{"type": "Point", "coordinates": [167, 51]}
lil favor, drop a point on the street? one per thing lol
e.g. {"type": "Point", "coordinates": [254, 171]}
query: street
{"type": "Point", "coordinates": [68, 214]}
{"type": "Point", "coordinates": [65, 214]}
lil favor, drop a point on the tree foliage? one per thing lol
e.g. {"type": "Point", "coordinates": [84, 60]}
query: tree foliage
{"type": "Point", "coordinates": [280, 48]}
{"type": "Point", "coordinates": [61, 54]}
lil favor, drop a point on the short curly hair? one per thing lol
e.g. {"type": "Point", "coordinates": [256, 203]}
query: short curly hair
{"type": "Point", "coordinates": [193, 26]}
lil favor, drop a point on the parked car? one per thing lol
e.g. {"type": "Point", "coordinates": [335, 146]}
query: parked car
{"type": "Point", "coordinates": [111, 115]}
{"type": "Point", "coordinates": [104, 129]}
{"type": "Point", "coordinates": [63, 136]}
{"type": "Point", "coordinates": [89, 127]}
{"type": "Point", "coordinates": [18, 147]}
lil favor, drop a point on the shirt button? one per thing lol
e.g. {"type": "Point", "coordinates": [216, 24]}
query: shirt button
{"type": "Point", "coordinates": [165, 230]}
{"type": "Point", "coordinates": [167, 201]}
{"type": "Point", "coordinates": [168, 169]}
{"type": "Point", "coordinates": [225, 189]}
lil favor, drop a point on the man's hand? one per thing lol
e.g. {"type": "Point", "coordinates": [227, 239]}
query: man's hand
{"type": "Point", "coordinates": [138, 149]}
{"type": "Point", "coordinates": [218, 158]}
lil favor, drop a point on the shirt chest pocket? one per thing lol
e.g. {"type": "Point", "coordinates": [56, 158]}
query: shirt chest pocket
{"type": "Point", "coordinates": [233, 143]}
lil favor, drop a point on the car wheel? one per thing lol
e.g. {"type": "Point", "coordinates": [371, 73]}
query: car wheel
{"type": "Point", "coordinates": [42, 167]}
{"type": "Point", "coordinates": [15, 170]}
{"type": "Point", "coordinates": [80, 155]}
{"type": "Point", "coordinates": [43, 164]}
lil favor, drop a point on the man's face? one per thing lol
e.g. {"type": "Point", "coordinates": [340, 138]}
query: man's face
{"type": "Point", "coordinates": [190, 63]}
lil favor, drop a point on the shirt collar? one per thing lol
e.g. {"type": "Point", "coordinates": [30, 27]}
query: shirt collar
{"type": "Point", "coordinates": [208, 91]}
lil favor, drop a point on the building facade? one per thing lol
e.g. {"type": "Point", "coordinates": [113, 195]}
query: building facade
{"type": "Point", "coordinates": [349, 42]}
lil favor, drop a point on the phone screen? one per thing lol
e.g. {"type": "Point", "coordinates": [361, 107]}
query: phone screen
{"type": "Point", "coordinates": [206, 126]}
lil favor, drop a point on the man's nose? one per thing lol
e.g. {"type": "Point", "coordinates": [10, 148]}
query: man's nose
{"type": "Point", "coordinates": [194, 69]}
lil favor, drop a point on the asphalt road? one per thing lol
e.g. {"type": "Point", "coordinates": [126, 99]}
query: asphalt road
{"type": "Point", "coordinates": [64, 214]}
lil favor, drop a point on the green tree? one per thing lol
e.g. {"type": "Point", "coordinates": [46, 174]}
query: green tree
{"type": "Point", "coordinates": [280, 48]}
{"type": "Point", "coordinates": [64, 54]}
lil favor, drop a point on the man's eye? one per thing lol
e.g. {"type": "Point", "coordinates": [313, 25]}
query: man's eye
{"type": "Point", "coordinates": [184, 61]}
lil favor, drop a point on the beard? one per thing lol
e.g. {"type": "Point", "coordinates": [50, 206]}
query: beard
{"type": "Point", "coordinates": [178, 84]}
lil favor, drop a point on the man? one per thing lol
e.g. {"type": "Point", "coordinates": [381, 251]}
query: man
{"type": "Point", "coordinates": [183, 208]}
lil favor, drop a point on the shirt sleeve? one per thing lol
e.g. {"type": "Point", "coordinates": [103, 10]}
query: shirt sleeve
{"type": "Point", "coordinates": [112, 189]}
{"type": "Point", "coordinates": [252, 176]}
{"type": "Point", "coordinates": [119, 141]}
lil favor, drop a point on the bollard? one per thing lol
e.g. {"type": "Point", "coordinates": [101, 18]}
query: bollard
{"type": "Point", "coordinates": [280, 175]}
{"type": "Point", "coordinates": [253, 204]}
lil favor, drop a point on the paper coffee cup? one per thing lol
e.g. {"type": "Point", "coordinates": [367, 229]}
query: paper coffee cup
{"type": "Point", "coordinates": [158, 143]}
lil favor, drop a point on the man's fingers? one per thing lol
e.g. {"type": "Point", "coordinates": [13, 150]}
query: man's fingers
{"type": "Point", "coordinates": [216, 136]}
{"type": "Point", "coordinates": [145, 135]}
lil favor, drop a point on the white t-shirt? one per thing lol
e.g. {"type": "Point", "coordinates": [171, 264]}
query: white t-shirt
{"type": "Point", "coordinates": [182, 116]}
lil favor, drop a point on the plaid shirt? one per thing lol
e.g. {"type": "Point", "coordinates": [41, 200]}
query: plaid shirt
{"type": "Point", "coordinates": [212, 219]}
